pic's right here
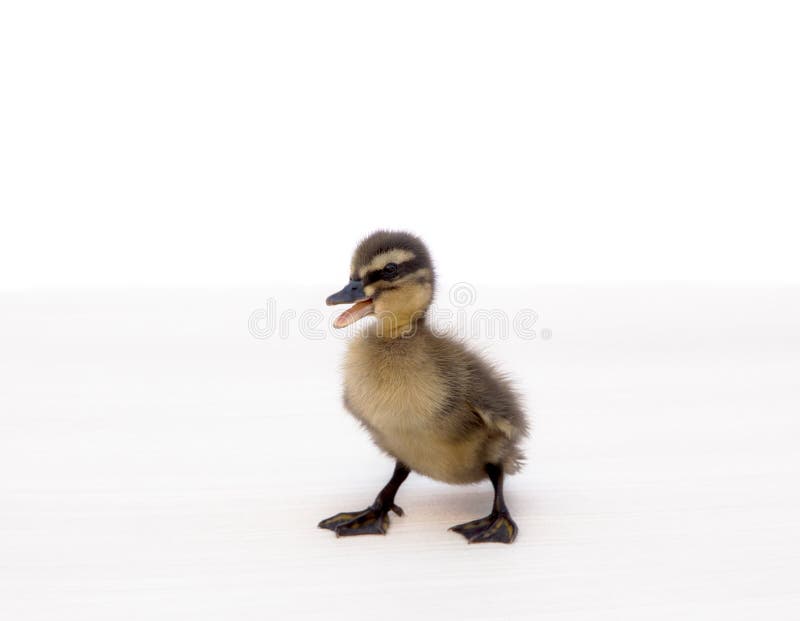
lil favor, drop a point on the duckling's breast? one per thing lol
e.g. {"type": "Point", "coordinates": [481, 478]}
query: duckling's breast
{"type": "Point", "coordinates": [395, 388]}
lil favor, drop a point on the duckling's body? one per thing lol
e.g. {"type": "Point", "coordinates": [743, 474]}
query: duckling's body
{"type": "Point", "coordinates": [434, 405]}
{"type": "Point", "coordinates": [427, 400]}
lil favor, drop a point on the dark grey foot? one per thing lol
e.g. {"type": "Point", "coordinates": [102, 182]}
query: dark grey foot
{"type": "Point", "coordinates": [371, 521]}
{"type": "Point", "coordinates": [498, 527]}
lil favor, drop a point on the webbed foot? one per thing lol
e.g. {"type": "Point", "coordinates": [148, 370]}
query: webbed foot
{"type": "Point", "coordinates": [373, 520]}
{"type": "Point", "coordinates": [497, 526]}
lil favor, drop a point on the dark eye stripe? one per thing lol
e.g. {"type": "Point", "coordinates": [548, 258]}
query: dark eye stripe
{"type": "Point", "coordinates": [407, 267]}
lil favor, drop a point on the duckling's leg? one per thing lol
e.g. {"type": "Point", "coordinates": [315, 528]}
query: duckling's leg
{"type": "Point", "coordinates": [374, 520]}
{"type": "Point", "coordinates": [498, 525]}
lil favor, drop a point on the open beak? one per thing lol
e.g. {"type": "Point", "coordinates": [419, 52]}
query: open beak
{"type": "Point", "coordinates": [352, 292]}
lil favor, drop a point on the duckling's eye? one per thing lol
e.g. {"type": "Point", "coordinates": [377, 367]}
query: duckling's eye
{"type": "Point", "coordinates": [389, 270]}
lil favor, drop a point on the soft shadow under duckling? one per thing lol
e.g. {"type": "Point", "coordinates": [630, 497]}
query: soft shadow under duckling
{"type": "Point", "coordinates": [429, 402]}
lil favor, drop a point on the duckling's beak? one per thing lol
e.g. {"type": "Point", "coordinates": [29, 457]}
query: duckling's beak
{"type": "Point", "coordinates": [352, 292]}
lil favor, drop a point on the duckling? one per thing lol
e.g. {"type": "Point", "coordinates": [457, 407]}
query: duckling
{"type": "Point", "coordinates": [426, 400]}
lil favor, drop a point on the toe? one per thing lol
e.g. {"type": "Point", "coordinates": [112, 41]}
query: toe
{"type": "Point", "coordinates": [502, 530]}
{"type": "Point", "coordinates": [468, 529]}
{"type": "Point", "coordinates": [369, 524]}
{"type": "Point", "coordinates": [336, 520]}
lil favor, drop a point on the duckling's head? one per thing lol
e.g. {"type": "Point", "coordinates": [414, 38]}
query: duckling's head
{"type": "Point", "coordinates": [391, 277]}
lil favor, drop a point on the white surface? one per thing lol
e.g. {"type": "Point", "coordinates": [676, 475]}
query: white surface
{"type": "Point", "coordinates": [170, 142]}
{"type": "Point", "coordinates": [158, 462]}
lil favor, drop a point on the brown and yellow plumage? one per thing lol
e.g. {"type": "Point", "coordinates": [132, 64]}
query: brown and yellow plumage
{"type": "Point", "coordinates": [426, 399]}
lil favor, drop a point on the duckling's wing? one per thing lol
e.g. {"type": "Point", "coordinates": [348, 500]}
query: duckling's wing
{"type": "Point", "coordinates": [492, 396]}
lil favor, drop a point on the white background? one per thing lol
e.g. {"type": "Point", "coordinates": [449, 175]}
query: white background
{"type": "Point", "coordinates": [167, 168]}
{"type": "Point", "coordinates": [229, 143]}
